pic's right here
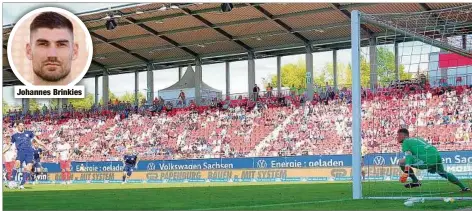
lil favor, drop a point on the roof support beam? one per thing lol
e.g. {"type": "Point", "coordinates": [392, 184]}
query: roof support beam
{"type": "Point", "coordinates": [279, 23]}
{"type": "Point", "coordinates": [215, 9]}
{"type": "Point", "coordinates": [107, 71]}
{"type": "Point", "coordinates": [253, 20]}
{"type": "Point", "coordinates": [8, 69]}
{"type": "Point", "coordinates": [231, 23]}
{"type": "Point", "coordinates": [213, 26]}
{"type": "Point", "coordinates": [5, 66]}
{"type": "Point", "coordinates": [250, 36]}
{"type": "Point", "coordinates": [119, 47]}
{"type": "Point", "coordinates": [347, 14]}
{"type": "Point", "coordinates": [98, 64]}
{"type": "Point", "coordinates": [194, 28]}
{"type": "Point", "coordinates": [167, 39]}
{"type": "Point", "coordinates": [201, 11]}
{"type": "Point", "coordinates": [441, 21]}
{"type": "Point", "coordinates": [425, 7]}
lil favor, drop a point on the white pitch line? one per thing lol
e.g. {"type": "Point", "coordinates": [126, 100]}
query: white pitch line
{"type": "Point", "coordinates": [299, 203]}
{"type": "Point", "coordinates": [272, 205]}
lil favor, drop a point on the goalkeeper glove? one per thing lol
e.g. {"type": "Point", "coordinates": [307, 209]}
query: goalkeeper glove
{"type": "Point", "coordinates": [404, 176]}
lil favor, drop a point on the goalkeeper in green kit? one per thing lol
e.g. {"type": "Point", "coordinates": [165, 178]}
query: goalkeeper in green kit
{"type": "Point", "coordinates": [421, 155]}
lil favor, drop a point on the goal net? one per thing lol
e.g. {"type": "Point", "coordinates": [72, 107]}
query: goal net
{"type": "Point", "coordinates": [413, 71]}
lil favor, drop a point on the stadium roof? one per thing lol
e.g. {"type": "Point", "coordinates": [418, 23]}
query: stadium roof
{"type": "Point", "coordinates": [174, 36]}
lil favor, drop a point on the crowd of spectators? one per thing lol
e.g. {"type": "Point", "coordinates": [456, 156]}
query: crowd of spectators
{"type": "Point", "coordinates": [235, 127]}
{"type": "Point", "coordinates": [192, 132]}
{"type": "Point", "coordinates": [443, 116]}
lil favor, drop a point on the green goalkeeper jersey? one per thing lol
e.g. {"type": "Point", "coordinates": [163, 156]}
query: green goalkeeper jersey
{"type": "Point", "coordinates": [418, 151]}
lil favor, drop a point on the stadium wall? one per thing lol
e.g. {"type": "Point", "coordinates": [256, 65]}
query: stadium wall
{"type": "Point", "coordinates": [451, 67]}
{"type": "Point", "coordinates": [259, 169]}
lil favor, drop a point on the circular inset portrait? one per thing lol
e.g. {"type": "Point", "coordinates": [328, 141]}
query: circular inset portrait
{"type": "Point", "coordinates": [50, 47]}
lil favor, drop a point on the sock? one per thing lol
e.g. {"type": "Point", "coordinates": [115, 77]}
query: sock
{"type": "Point", "coordinates": [14, 173]}
{"type": "Point", "coordinates": [451, 178]}
{"type": "Point", "coordinates": [124, 178]}
{"type": "Point", "coordinates": [68, 175]}
{"type": "Point", "coordinates": [411, 174]}
{"type": "Point", "coordinates": [63, 176]}
{"type": "Point", "coordinates": [26, 175]}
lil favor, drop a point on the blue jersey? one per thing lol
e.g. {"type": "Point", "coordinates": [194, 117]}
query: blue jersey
{"type": "Point", "coordinates": [37, 154]}
{"type": "Point", "coordinates": [131, 159]}
{"type": "Point", "coordinates": [23, 141]}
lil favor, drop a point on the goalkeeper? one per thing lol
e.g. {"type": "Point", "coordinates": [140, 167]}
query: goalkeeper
{"type": "Point", "coordinates": [421, 155]}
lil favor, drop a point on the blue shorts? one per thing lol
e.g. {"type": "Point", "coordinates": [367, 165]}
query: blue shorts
{"type": "Point", "coordinates": [25, 157]}
{"type": "Point", "coordinates": [37, 164]}
{"type": "Point", "coordinates": [128, 169]}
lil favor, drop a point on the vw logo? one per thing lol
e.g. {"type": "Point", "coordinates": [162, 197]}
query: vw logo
{"type": "Point", "coordinates": [379, 161]}
{"type": "Point", "coordinates": [151, 167]}
{"type": "Point", "coordinates": [261, 164]}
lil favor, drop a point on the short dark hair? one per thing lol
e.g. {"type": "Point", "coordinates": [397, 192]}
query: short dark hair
{"type": "Point", "coordinates": [404, 131]}
{"type": "Point", "coordinates": [51, 20]}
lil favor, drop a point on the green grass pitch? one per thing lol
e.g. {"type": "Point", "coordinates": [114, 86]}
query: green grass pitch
{"type": "Point", "coordinates": [226, 196]}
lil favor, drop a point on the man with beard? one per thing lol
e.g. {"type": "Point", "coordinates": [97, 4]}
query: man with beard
{"type": "Point", "coordinates": [51, 49]}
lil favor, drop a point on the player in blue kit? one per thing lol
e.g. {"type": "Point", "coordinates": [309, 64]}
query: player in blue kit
{"type": "Point", "coordinates": [37, 167]}
{"type": "Point", "coordinates": [23, 140]}
{"type": "Point", "coordinates": [130, 162]}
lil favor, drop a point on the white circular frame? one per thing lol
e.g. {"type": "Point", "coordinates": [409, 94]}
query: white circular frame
{"type": "Point", "coordinates": [88, 42]}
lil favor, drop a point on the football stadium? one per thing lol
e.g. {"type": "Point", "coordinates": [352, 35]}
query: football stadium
{"type": "Point", "coordinates": [247, 106]}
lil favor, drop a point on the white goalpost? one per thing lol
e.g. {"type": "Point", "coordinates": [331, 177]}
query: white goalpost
{"type": "Point", "coordinates": [426, 58]}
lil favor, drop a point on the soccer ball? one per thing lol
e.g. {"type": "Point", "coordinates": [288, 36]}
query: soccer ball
{"type": "Point", "coordinates": [412, 201]}
{"type": "Point", "coordinates": [409, 203]}
{"type": "Point", "coordinates": [417, 200]}
{"type": "Point", "coordinates": [449, 200]}
{"type": "Point", "coordinates": [12, 185]}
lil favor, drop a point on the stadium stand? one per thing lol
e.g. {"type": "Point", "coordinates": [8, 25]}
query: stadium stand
{"type": "Point", "coordinates": [272, 126]}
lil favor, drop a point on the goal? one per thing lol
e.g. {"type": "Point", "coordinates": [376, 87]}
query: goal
{"type": "Point", "coordinates": [413, 71]}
